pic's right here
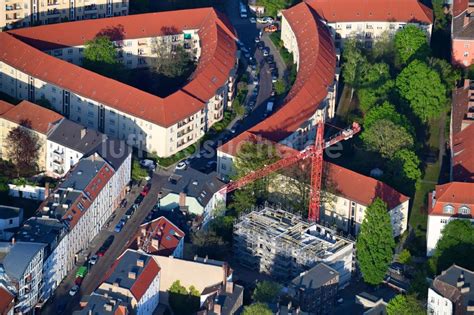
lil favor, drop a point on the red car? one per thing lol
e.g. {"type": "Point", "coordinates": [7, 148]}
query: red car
{"type": "Point", "coordinates": [145, 190]}
{"type": "Point", "coordinates": [78, 281]}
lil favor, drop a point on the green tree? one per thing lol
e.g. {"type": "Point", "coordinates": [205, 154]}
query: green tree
{"type": "Point", "coordinates": [448, 74]}
{"type": "Point", "coordinates": [266, 292]}
{"type": "Point", "coordinates": [385, 111]}
{"type": "Point", "coordinates": [208, 243]}
{"type": "Point", "coordinates": [383, 49]}
{"type": "Point", "coordinates": [405, 305]}
{"type": "Point", "coordinates": [355, 65]}
{"type": "Point", "coordinates": [423, 89]}
{"type": "Point", "coordinates": [223, 227]}
{"type": "Point", "coordinates": [280, 87]}
{"type": "Point", "coordinates": [404, 257]}
{"type": "Point", "coordinates": [257, 309]}
{"type": "Point", "coordinates": [183, 301]}
{"type": "Point", "coordinates": [456, 245]}
{"type": "Point", "coordinates": [375, 243]}
{"type": "Point", "coordinates": [441, 18]}
{"type": "Point", "coordinates": [411, 43]}
{"type": "Point", "coordinates": [23, 148]}
{"type": "Point", "coordinates": [138, 173]}
{"type": "Point", "coordinates": [238, 108]}
{"type": "Point", "coordinates": [243, 200]}
{"type": "Point", "coordinates": [407, 164]}
{"type": "Point", "coordinates": [171, 63]}
{"type": "Point", "coordinates": [385, 137]}
{"type": "Point", "coordinates": [272, 7]}
{"type": "Point", "coordinates": [100, 56]}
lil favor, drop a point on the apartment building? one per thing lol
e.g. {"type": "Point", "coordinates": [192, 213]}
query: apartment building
{"type": "Point", "coordinates": [134, 278]}
{"type": "Point", "coordinates": [22, 13]}
{"type": "Point", "coordinates": [369, 20]}
{"type": "Point", "coordinates": [462, 33]}
{"type": "Point", "coordinates": [7, 301]}
{"type": "Point", "coordinates": [212, 278]}
{"type": "Point", "coordinates": [67, 142]}
{"type": "Point", "coordinates": [102, 304]}
{"type": "Point", "coordinates": [159, 237]}
{"type": "Point", "coordinates": [450, 292]}
{"type": "Point", "coordinates": [314, 291]}
{"type": "Point", "coordinates": [43, 63]}
{"type": "Point", "coordinates": [75, 212]}
{"type": "Point", "coordinates": [22, 271]}
{"type": "Point", "coordinates": [34, 118]}
{"type": "Point", "coordinates": [281, 244]}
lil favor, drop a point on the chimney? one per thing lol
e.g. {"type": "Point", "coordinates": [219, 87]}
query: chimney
{"type": "Point", "coordinates": [460, 282]}
{"type": "Point", "coordinates": [132, 275]}
{"type": "Point", "coordinates": [229, 287]}
{"type": "Point", "coordinates": [182, 199]}
{"type": "Point", "coordinates": [83, 132]}
{"type": "Point", "coordinates": [155, 243]}
{"type": "Point", "coordinates": [89, 312]}
{"type": "Point", "coordinates": [143, 231]}
{"type": "Point", "coordinates": [217, 308]}
{"type": "Point", "coordinates": [465, 289]}
{"type": "Point", "coordinates": [140, 262]}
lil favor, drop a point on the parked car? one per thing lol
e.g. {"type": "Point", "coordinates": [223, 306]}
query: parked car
{"type": "Point", "coordinates": [260, 45]}
{"type": "Point", "coordinates": [130, 212]}
{"type": "Point", "coordinates": [146, 163]}
{"type": "Point", "coordinates": [74, 290]}
{"type": "Point", "coordinates": [265, 20]}
{"type": "Point", "coordinates": [266, 51]}
{"type": "Point", "coordinates": [257, 39]}
{"type": "Point", "coordinates": [146, 190]}
{"type": "Point", "coordinates": [253, 20]}
{"type": "Point", "coordinates": [181, 165]}
{"type": "Point", "coordinates": [82, 272]}
{"type": "Point", "coordinates": [78, 281]}
{"type": "Point", "coordinates": [255, 80]}
{"type": "Point", "coordinates": [139, 199]}
{"type": "Point", "coordinates": [270, 29]}
{"type": "Point", "coordinates": [274, 78]}
{"type": "Point", "coordinates": [119, 226]}
{"type": "Point", "coordinates": [93, 259]}
{"type": "Point", "coordinates": [269, 58]}
{"type": "Point", "coordinates": [105, 246]}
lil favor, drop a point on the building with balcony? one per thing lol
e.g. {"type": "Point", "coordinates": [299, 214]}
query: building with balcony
{"type": "Point", "coordinates": [36, 119]}
{"type": "Point", "coordinates": [450, 292]}
{"type": "Point", "coordinates": [22, 270]}
{"type": "Point", "coordinates": [21, 13]}
{"type": "Point", "coordinates": [281, 244]}
{"type": "Point", "coordinates": [368, 20]}
{"type": "Point", "coordinates": [135, 279]}
{"type": "Point", "coordinates": [44, 63]}
{"type": "Point", "coordinates": [159, 237]}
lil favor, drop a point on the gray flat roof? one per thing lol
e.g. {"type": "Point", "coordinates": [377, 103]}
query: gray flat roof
{"type": "Point", "coordinates": [76, 137]}
{"type": "Point", "coordinates": [128, 263]}
{"type": "Point", "coordinates": [19, 257]}
{"type": "Point", "coordinates": [97, 305]}
{"type": "Point", "coordinates": [315, 277]}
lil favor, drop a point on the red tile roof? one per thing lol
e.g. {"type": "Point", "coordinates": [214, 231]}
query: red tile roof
{"type": "Point", "coordinates": [463, 153]}
{"type": "Point", "coordinates": [145, 279]}
{"type": "Point", "coordinates": [6, 300]}
{"type": "Point", "coordinates": [372, 10]}
{"type": "Point", "coordinates": [459, 6]}
{"type": "Point", "coordinates": [5, 106]}
{"type": "Point", "coordinates": [40, 118]}
{"type": "Point", "coordinates": [360, 188]}
{"type": "Point", "coordinates": [19, 48]}
{"type": "Point", "coordinates": [168, 241]}
{"type": "Point", "coordinates": [460, 108]}
{"type": "Point", "coordinates": [456, 194]}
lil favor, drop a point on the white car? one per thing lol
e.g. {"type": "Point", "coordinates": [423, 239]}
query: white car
{"type": "Point", "coordinates": [93, 259]}
{"type": "Point", "coordinates": [74, 290]}
{"type": "Point", "coordinates": [181, 165]}
{"type": "Point", "coordinates": [253, 20]}
{"type": "Point", "coordinates": [265, 20]}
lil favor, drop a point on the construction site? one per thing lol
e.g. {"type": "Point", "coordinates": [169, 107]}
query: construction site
{"type": "Point", "coordinates": [282, 245]}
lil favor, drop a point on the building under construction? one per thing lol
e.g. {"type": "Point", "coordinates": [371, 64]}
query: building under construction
{"type": "Point", "coordinates": [283, 245]}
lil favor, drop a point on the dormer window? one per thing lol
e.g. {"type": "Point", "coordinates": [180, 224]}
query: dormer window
{"type": "Point", "coordinates": [464, 210]}
{"type": "Point", "coordinates": [449, 209]}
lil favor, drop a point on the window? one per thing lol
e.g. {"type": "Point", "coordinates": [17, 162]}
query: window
{"type": "Point", "coordinates": [348, 26]}
{"type": "Point", "coordinates": [466, 54]}
{"type": "Point", "coordinates": [69, 51]}
{"type": "Point", "coordinates": [464, 210]}
{"type": "Point", "coordinates": [448, 209]}
{"type": "Point", "coordinates": [10, 221]}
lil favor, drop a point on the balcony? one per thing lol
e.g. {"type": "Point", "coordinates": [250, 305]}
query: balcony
{"type": "Point", "coordinates": [13, 7]}
{"type": "Point", "coordinates": [53, 12]}
{"type": "Point", "coordinates": [53, 2]}
{"type": "Point", "coordinates": [185, 132]}
{"type": "Point", "coordinates": [90, 8]}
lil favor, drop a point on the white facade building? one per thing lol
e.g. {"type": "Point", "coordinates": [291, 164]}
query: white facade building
{"type": "Point", "coordinates": [10, 218]}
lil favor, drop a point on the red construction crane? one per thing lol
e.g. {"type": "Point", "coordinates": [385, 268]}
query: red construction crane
{"type": "Point", "coordinates": [315, 152]}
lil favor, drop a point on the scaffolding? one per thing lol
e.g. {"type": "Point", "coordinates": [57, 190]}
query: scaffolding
{"type": "Point", "coordinates": [283, 245]}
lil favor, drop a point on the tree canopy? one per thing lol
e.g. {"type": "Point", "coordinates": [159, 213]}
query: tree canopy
{"type": "Point", "coordinates": [407, 164]}
{"type": "Point", "coordinates": [138, 172]}
{"type": "Point", "coordinates": [272, 7]}
{"type": "Point", "coordinates": [257, 309]}
{"type": "Point", "coordinates": [456, 245]}
{"type": "Point", "coordinates": [266, 292]}
{"type": "Point", "coordinates": [385, 111]}
{"type": "Point", "coordinates": [449, 75]}
{"type": "Point", "coordinates": [172, 62]}
{"type": "Point", "coordinates": [411, 43]}
{"type": "Point", "coordinates": [355, 64]}
{"type": "Point", "coordinates": [375, 243]}
{"type": "Point", "coordinates": [423, 89]}
{"type": "Point", "coordinates": [405, 305]}
{"type": "Point", "coordinates": [182, 300]}
{"type": "Point", "coordinates": [23, 148]}
{"type": "Point", "coordinates": [386, 138]}
{"type": "Point", "coordinates": [100, 56]}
